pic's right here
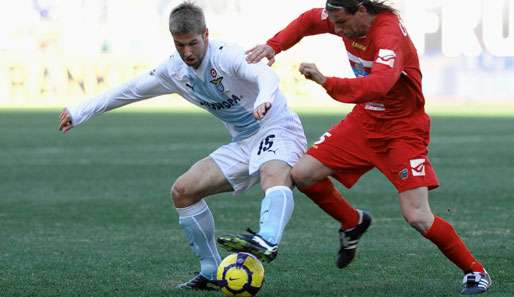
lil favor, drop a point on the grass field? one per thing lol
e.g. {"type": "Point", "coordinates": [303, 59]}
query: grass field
{"type": "Point", "coordinates": [89, 214]}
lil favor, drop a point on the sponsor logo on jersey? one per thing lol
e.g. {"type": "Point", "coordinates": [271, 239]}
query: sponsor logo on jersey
{"type": "Point", "coordinates": [359, 70]}
{"type": "Point", "coordinates": [221, 105]}
{"type": "Point", "coordinates": [418, 167]}
{"type": "Point", "coordinates": [360, 46]}
{"type": "Point", "coordinates": [386, 57]}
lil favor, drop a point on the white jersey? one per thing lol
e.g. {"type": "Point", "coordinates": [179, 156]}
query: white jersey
{"type": "Point", "coordinates": [224, 84]}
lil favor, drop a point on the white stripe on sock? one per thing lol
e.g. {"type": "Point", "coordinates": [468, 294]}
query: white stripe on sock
{"type": "Point", "coordinates": [213, 254]}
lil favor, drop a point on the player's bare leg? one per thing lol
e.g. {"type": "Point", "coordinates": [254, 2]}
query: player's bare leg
{"type": "Point", "coordinates": [416, 211]}
{"type": "Point", "coordinates": [276, 210]}
{"type": "Point", "coordinates": [311, 177]}
{"type": "Point", "coordinates": [203, 179]}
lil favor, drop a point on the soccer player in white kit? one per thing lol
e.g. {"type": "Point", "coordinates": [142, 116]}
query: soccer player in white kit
{"type": "Point", "coordinates": [267, 137]}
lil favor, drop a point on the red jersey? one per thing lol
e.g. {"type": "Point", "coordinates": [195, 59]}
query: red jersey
{"type": "Point", "coordinates": [385, 62]}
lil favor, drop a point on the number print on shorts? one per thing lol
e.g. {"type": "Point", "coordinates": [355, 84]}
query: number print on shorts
{"type": "Point", "coordinates": [266, 144]}
{"type": "Point", "coordinates": [323, 138]}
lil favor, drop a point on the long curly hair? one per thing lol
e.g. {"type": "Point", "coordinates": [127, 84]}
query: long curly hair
{"type": "Point", "coordinates": [351, 6]}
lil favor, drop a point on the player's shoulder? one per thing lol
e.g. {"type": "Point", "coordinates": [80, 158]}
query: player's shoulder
{"type": "Point", "coordinates": [225, 49]}
{"type": "Point", "coordinates": [388, 23]}
{"type": "Point", "coordinates": [226, 53]}
{"type": "Point", "coordinates": [172, 67]}
{"type": "Point", "coordinates": [317, 13]}
{"type": "Point", "coordinates": [175, 62]}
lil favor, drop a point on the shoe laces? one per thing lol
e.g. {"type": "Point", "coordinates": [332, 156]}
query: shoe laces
{"type": "Point", "coordinates": [472, 278]}
{"type": "Point", "coordinates": [259, 238]}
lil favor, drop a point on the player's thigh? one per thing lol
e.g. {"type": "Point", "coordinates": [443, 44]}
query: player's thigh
{"type": "Point", "coordinates": [342, 150]}
{"type": "Point", "coordinates": [309, 170]}
{"type": "Point", "coordinates": [406, 164]}
{"type": "Point", "coordinates": [233, 160]}
{"type": "Point", "coordinates": [275, 149]}
{"type": "Point", "coordinates": [204, 178]}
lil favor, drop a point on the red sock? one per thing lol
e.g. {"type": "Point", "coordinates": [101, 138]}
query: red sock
{"type": "Point", "coordinates": [328, 198]}
{"type": "Point", "coordinates": [442, 234]}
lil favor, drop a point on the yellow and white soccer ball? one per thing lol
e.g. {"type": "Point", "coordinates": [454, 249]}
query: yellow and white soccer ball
{"type": "Point", "coordinates": [240, 274]}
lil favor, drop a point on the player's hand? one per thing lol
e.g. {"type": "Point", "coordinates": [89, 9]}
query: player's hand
{"type": "Point", "coordinates": [310, 71]}
{"type": "Point", "coordinates": [65, 121]}
{"type": "Point", "coordinates": [261, 110]}
{"type": "Point", "coordinates": [258, 52]}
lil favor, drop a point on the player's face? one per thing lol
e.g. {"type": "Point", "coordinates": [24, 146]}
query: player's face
{"type": "Point", "coordinates": [191, 47]}
{"type": "Point", "coordinates": [350, 25]}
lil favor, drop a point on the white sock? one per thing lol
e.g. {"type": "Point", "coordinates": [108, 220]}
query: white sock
{"type": "Point", "coordinates": [276, 210]}
{"type": "Point", "coordinates": [198, 225]}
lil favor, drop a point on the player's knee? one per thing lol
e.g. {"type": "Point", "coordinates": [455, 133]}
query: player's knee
{"type": "Point", "coordinates": [271, 178]}
{"type": "Point", "coordinates": [179, 194]}
{"type": "Point", "coordinates": [300, 177]}
{"type": "Point", "coordinates": [418, 220]}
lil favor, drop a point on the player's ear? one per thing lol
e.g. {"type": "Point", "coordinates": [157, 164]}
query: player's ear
{"type": "Point", "coordinates": [206, 34]}
{"type": "Point", "coordinates": [362, 9]}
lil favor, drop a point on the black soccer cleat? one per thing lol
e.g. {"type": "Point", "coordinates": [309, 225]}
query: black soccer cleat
{"type": "Point", "coordinates": [350, 238]}
{"type": "Point", "coordinates": [251, 243]}
{"type": "Point", "coordinates": [199, 282]}
{"type": "Point", "coordinates": [476, 283]}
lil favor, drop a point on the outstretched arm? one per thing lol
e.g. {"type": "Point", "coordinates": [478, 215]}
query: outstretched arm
{"type": "Point", "coordinates": [311, 22]}
{"type": "Point", "coordinates": [145, 86]}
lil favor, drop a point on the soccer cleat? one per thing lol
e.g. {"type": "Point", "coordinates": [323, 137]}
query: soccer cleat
{"type": "Point", "coordinates": [199, 282]}
{"type": "Point", "coordinates": [251, 243]}
{"type": "Point", "coordinates": [350, 238]}
{"type": "Point", "coordinates": [476, 283]}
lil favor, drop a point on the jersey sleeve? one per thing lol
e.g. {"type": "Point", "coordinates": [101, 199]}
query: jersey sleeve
{"type": "Point", "coordinates": [145, 86]}
{"type": "Point", "coordinates": [387, 67]}
{"type": "Point", "coordinates": [311, 22]}
{"type": "Point", "coordinates": [234, 62]}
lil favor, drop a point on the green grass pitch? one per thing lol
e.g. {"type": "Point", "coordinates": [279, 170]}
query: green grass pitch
{"type": "Point", "coordinates": [89, 213]}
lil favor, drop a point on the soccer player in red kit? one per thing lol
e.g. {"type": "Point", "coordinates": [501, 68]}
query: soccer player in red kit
{"type": "Point", "coordinates": [387, 129]}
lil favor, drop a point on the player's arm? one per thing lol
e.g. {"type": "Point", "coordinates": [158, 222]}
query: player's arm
{"type": "Point", "coordinates": [311, 22]}
{"type": "Point", "coordinates": [259, 73]}
{"type": "Point", "coordinates": [386, 70]}
{"type": "Point", "coordinates": [143, 87]}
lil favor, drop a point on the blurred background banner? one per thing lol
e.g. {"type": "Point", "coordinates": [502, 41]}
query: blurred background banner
{"type": "Point", "coordinates": [59, 52]}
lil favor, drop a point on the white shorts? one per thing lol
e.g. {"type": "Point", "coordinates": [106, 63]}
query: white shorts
{"type": "Point", "coordinates": [282, 140]}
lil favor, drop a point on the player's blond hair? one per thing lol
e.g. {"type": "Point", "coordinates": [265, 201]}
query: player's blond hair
{"type": "Point", "coordinates": [187, 18]}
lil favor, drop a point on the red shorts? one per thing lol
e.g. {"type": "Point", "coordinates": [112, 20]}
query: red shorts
{"type": "Point", "coordinates": [398, 149]}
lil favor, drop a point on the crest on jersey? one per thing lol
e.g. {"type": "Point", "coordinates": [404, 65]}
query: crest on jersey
{"type": "Point", "coordinates": [217, 82]}
{"type": "Point", "coordinates": [386, 57]}
{"type": "Point", "coordinates": [404, 174]}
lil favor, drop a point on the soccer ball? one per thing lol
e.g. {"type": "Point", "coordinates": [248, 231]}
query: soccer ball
{"type": "Point", "coordinates": [240, 274]}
